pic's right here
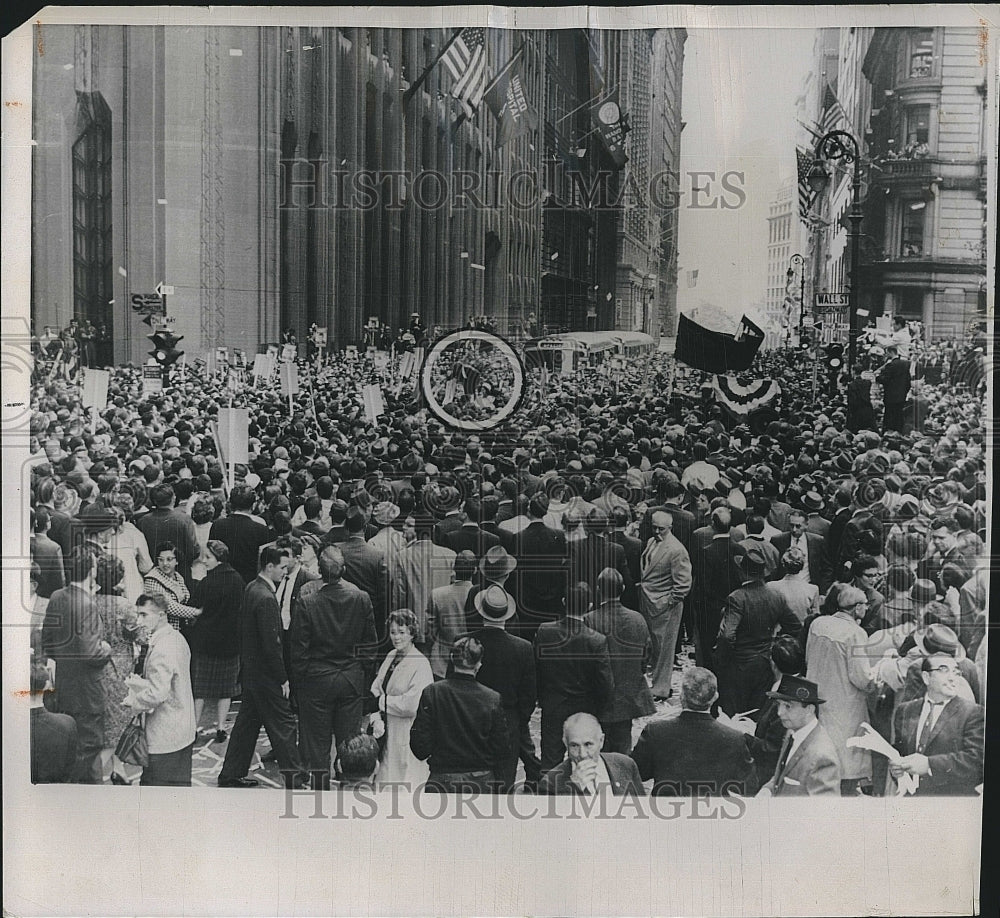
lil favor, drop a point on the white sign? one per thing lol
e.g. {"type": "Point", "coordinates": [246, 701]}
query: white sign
{"type": "Point", "coordinates": [222, 354]}
{"type": "Point", "coordinates": [319, 337]}
{"type": "Point", "coordinates": [95, 388]}
{"type": "Point", "coordinates": [234, 435]}
{"type": "Point", "coordinates": [289, 379]}
{"type": "Point", "coordinates": [263, 366]}
{"type": "Point", "coordinates": [164, 289]}
{"type": "Point", "coordinates": [152, 378]}
{"type": "Point", "coordinates": [288, 352]}
{"type": "Point", "coordinates": [351, 352]}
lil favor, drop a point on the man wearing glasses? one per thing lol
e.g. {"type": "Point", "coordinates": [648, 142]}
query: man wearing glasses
{"type": "Point", "coordinates": [940, 736]}
{"type": "Point", "coordinates": [839, 663]}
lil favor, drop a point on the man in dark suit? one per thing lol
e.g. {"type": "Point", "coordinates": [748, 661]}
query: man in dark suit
{"type": "Point", "coordinates": [630, 648]}
{"type": "Point", "coordinates": [589, 549]}
{"type": "Point", "coordinates": [587, 770]}
{"type": "Point", "coordinates": [332, 639]}
{"type": "Point", "coordinates": [289, 590]}
{"type": "Point", "coordinates": [165, 524]}
{"type": "Point", "coordinates": [365, 566]}
{"type": "Point", "coordinates": [573, 672]}
{"type": "Point", "coordinates": [71, 636]}
{"type": "Point", "coordinates": [447, 502]}
{"type": "Point", "coordinates": [817, 569]}
{"type": "Point", "coordinates": [265, 682]}
{"type": "Point", "coordinates": [808, 764]}
{"type": "Point", "coordinates": [541, 569]}
{"type": "Point", "coordinates": [53, 736]}
{"type": "Point", "coordinates": [46, 554]}
{"type": "Point", "coordinates": [812, 503]}
{"type": "Point", "coordinates": [715, 575]}
{"type": "Point", "coordinates": [470, 536]}
{"type": "Point", "coordinates": [242, 534]}
{"type": "Point", "coordinates": [460, 727]}
{"type": "Point", "coordinates": [508, 667]}
{"type": "Point", "coordinates": [671, 496]}
{"type": "Point", "coordinates": [693, 754]}
{"type": "Point", "coordinates": [620, 516]}
{"type": "Point", "coordinates": [895, 380]}
{"type": "Point", "coordinates": [941, 736]}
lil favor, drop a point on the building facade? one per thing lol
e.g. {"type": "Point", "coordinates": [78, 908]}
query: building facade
{"type": "Point", "coordinates": [280, 177]}
{"type": "Point", "coordinates": [916, 101]}
{"type": "Point", "coordinates": [782, 237]}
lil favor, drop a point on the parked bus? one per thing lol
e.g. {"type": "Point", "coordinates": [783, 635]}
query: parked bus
{"type": "Point", "coordinates": [572, 350]}
{"type": "Point", "coordinates": [634, 344]}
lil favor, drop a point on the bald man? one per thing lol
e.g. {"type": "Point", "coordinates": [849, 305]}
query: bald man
{"type": "Point", "coordinates": [587, 770]}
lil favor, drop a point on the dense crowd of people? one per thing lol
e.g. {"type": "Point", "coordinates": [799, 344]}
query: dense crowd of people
{"type": "Point", "coordinates": [392, 600]}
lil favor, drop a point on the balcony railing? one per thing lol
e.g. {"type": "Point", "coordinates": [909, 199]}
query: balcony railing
{"type": "Point", "coordinates": [904, 168]}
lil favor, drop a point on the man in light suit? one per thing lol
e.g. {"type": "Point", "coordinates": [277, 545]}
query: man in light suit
{"type": "Point", "coordinates": [808, 764]}
{"type": "Point", "coordinates": [587, 770]}
{"type": "Point", "coordinates": [666, 579]}
{"type": "Point", "coordinates": [817, 569]}
{"type": "Point", "coordinates": [446, 620]}
{"type": "Point", "coordinates": [940, 736]}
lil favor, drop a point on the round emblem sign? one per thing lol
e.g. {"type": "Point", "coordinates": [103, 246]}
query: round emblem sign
{"type": "Point", "coordinates": [802, 693]}
{"type": "Point", "coordinates": [472, 380]}
{"type": "Point", "coordinates": [609, 113]}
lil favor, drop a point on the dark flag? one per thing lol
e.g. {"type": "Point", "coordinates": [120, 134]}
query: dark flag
{"type": "Point", "coordinates": [717, 352]}
{"type": "Point", "coordinates": [605, 113]}
{"type": "Point", "coordinates": [509, 103]}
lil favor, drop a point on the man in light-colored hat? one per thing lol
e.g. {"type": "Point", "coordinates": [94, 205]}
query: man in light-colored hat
{"type": "Point", "coordinates": [388, 540]}
{"type": "Point", "coordinates": [508, 668]}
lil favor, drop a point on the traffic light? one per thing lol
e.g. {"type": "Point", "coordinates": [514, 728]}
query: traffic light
{"type": "Point", "coordinates": [834, 357]}
{"type": "Point", "coordinates": [165, 350]}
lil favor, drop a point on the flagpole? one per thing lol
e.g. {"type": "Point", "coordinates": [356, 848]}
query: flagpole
{"type": "Point", "coordinates": [408, 94]}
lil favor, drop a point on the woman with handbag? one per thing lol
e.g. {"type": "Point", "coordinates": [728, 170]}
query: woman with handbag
{"type": "Point", "coordinates": [401, 679]}
{"type": "Point", "coordinates": [215, 635]}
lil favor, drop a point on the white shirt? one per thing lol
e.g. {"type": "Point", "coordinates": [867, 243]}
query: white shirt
{"type": "Point", "coordinates": [925, 713]}
{"type": "Point", "coordinates": [803, 546]}
{"type": "Point", "coordinates": [284, 592]}
{"type": "Point", "coordinates": [799, 737]}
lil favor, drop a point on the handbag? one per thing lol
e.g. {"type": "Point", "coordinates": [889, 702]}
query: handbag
{"type": "Point", "coordinates": [132, 748]}
{"type": "Point", "coordinates": [381, 740]}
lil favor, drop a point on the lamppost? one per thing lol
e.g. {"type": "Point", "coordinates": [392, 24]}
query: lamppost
{"type": "Point", "coordinates": [648, 294]}
{"type": "Point", "coordinates": [797, 259]}
{"type": "Point", "coordinates": [840, 145]}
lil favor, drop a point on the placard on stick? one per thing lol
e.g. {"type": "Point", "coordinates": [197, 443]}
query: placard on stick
{"type": "Point", "coordinates": [234, 435]}
{"type": "Point", "coordinates": [95, 389]}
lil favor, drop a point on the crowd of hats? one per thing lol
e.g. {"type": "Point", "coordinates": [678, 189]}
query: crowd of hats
{"type": "Point", "coordinates": [632, 433]}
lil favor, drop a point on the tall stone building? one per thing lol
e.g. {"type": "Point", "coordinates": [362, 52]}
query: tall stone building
{"type": "Point", "coordinates": [916, 101]}
{"type": "Point", "coordinates": [782, 236]}
{"type": "Point", "coordinates": [276, 177]}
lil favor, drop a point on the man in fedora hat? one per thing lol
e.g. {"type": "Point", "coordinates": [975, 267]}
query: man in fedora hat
{"type": "Point", "coordinates": [508, 668]}
{"type": "Point", "coordinates": [808, 764]}
{"type": "Point", "coordinates": [743, 646]}
{"type": "Point", "coordinates": [812, 503]}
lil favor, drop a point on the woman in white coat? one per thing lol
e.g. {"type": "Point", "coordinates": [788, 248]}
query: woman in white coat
{"type": "Point", "coordinates": [401, 678]}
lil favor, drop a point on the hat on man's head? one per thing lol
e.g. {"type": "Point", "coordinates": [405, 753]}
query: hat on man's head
{"type": "Point", "coordinates": [496, 563]}
{"type": "Point", "coordinates": [795, 688]}
{"type": "Point", "coordinates": [495, 604]}
{"type": "Point", "coordinates": [753, 555]}
{"type": "Point", "coordinates": [923, 591]}
{"type": "Point", "coordinates": [938, 638]}
{"type": "Point", "coordinates": [385, 512]}
{"type": "Point", "coordinates": [812, 501]}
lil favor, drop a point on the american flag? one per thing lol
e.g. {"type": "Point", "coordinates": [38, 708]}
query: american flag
{"type": "Point", "coordinates": [833, 112]}
{"type": "Point", "coordinates": [466, 61]}
{"type": "Point", "coordinates": [804, 163]}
